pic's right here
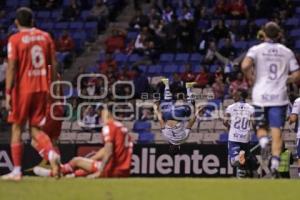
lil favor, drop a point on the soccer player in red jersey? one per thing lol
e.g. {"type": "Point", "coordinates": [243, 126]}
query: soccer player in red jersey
{"type": "Point", "coordinates": [113, 160]}
{"type": "Point", "coordinates": [30, 52]}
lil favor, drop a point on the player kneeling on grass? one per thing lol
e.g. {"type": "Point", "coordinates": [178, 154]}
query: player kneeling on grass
{"type": "Point", "coordinates": [238, 120]}
{"type": "Point", "coordinates": [175, 120]}
{"type": "Point", "coordinates": [113, 160]}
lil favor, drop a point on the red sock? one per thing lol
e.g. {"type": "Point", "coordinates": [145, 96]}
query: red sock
{"type": "Point", "coordinates": [17, 153]}
{"type": "Point", "coordinates": [44, 145]}
{"type": "Point", "coordinates": [80, 173]}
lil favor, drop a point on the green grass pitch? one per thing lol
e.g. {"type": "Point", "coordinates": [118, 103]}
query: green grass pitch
{"type": "Point", "coordinates": [149, 188]}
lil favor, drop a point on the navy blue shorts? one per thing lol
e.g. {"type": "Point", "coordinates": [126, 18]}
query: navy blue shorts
{"type": "Point", "coordinates": [271, 117]}
{"type": "Point", "coordinates": [234, 149]}
{"type": "Point", "coordinates": [298, 148]}
{"type": "Point", "coordinates": [170, 111]}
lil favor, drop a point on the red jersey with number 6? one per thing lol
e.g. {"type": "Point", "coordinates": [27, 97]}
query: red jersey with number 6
{"type": "Point", "coordinates": [32, 49]}
{"type": "Point", "coordinates": [118, 135]}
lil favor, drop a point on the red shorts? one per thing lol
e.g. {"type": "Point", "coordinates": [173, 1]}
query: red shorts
{"type": "Point", "coordinates": [53, 127]}
{"type": "Point", "coordinates": [28, 106]}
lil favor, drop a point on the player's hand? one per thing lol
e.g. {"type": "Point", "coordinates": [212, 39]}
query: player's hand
{"type": "Point", "coordinates": [8, 102]}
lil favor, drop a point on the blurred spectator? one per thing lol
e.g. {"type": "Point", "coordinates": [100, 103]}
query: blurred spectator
{"type": "Point", "coordinates": [109, 62]}
{"type": "Point", "coordinates": [220, 31]}
{"type": "Point", "coordinates": [228, 49]}
{"type": "Point", "coordinates": [209, 57]}
{"type": "Point", "coordinates": [251, 30]}
{"type": "Point", "coordinates": [139, 20]}
{"type": "Point", "coordinates": [167, 14]}
{"type": "Point", "coordinates": [3, 66]}
{"type": "Point", "coordinates": [140, 44]}
{"type": "Point", "coordinates": [71, 11]}
{"type": "Point", "coordinates": [186, 14]}
{"type": "Point", "coordinates": [170, 35]}
{"type": "Point", "coordinates": [73, 113]}
{"type": "Point", "coordinates": [141, 83]}
{"type": "Point", "coordinates": [45, 4]}
{"type": "Point", "coordinates": [157, 27]}
{"type": "Point", "coordinates": [220, 8]}
{"type": "Point", "coordinates": [154, 14]}
{"type": "Point", "coordinates": [65, 45]}
{"type": "Point", "coordinates": [238, 9]}
{"type": "Point", "coordinates": [150, 54]}
{"type": "Point", "coordinates": [239, 83]}
{"type": "Point", "coordinates": [89, 118]}
{"type": "Point", "coordinates": [177, 86]}
{"type": "Point", "coordinates": [99, 13]}
{"type": "Point", "coordinates": [65, 42]}
{"type": "Point", "coordinates": [218, 87]}
{"type": "Point", "coordinates": [116, 42]}
{"type": "Point", "coordinates": [186, 36]}
{"type": "Point", "coordinates": [202, 78]}
{"type": "Point", "coordinates": [188, 75]}
{"type": "Point", "coordinates": [237, 33]}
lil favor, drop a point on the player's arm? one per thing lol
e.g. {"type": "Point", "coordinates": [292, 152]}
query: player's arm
{"type": "Point", "coordinates": [247, 69]}
{"type": "Point", "coordinates": [159, 115]}
{"type": "Point", "coordinates": [226, 121]}
{"type": "Point", "coordinates": [106, 154]}
{"type": "Point", "coordinates": [198, 112]}
{"type": "Point", "coordinates": [99, 155]}
{"type": "Point", "coordinates": [11, 71]}
{"type": "Point", "coordinates": [294, 69]}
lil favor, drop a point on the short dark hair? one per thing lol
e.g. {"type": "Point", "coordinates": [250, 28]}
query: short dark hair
{"type": "Point", "coordinates": [243, 93]}
{"type": "Point", "coordinates": [272, 30]}
{"type": "Point", "coordinates": [24, 16]}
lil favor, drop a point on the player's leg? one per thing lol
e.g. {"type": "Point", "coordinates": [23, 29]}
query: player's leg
{"type": "Point", "coordinates": [261, 126]}
{"type": "Point", "coordinates": [276, 116]}
{"type": "Point", "coordinates": [86, 164]}
{"type": "Point", "coordinates": [298, 155]}
{"type": "Point", "coordinates": [17, 116]}
{"type": "Point", "coordinates": [37, 118]}
{"type": "Point", "coordinates": [16, 154]}
{"type": "Point", "coordinates": [236, 157]}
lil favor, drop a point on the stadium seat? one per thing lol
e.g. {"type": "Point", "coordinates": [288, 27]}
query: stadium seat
{"type": "Point", "coordinates": [47, 26]}
{"type": "Point", "coordinates": [213, 68]}
{"type": "Point", "coordinates": [146, 138]}
{"type": "Point", "coordinates": [96, 138]}
{"type": "Point", "coordinates": [85, 14]}
{"type": "Point", "coordinates": [196, 58]}
{"type": "Point", "coordinates": [241, 45]}
{"type": "Point", "coordinates": [66, 137]}
{"type": "Point", "coordinates": [131, 35]}
{"type": "Point", "coordinates": [55, 14]}
{"type": "Point", "coordinates": [120, 58]}
{"type": "Point", "coordinates": [292, 22]}
{"type": "Point", "coordinates": [210, 138]}
{"type": "Point", "coordinates": [144, 68]}
{"type": "Point", "coordinates": [196, 68]}
{"type": "Point", "coordinates": [295, 33]}
{"type": "Point", "coordinates": [170, 69]}
{"type": "Point", "coordinates": [61, 25]}
{"type": "Point", "coordinates": [166, 58]}
{"type": "Point", "coordinates": [223, 138]}
{"type": "Point", "coordinates": [203, 24]}
{"type": "Point", "coordinates": [181, 58]}
{"type": "Point", "coordinates": [43, 15]}
{"type": "Point", "coordinates": [76, 25]}
{"type": "Point", "coordinates": [298, 10]}
{"type": "Point", "coordinates": [297, 45]}
{"type": "Point", "coordinates": [92, 69]}
{"type": "Point", "coordinates": [140, 126]}
{"type": "Point", "coordinates": [261, 22]}
{"type": "Point", "coordinates": [154, 70]}
{"type": "Point", "coordinates": [83, 137]}
{"type": "Point", "coordinates": [253, 139]}
{"type": "Point", "coordinates": [134, 58]}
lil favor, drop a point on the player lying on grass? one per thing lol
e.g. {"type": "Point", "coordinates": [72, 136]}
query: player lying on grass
{"type": "Point", "coordinates": [294, 118]}
{"type": "Point", "coordinates": [175, 120]}
{"type": "Point", "coordinates": [30, 53]}
{"type": "Point", "coordinates": [238, 120]}
{"type": "Point", "coordinates": [113, 160]}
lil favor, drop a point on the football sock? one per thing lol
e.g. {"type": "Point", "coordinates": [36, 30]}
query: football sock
{"type": "Point", "coordinates": [299, 171]}
{"type": "Point", "coordinates": [67, 168]}
{"type": "Point", "coordinates": [17, 153]}
{"type": "Point", "coordinates": [44, 145]}
{"type": "Point", "coordinates": [275, 163]}
{"type": "Point", "coordinates": [263, 141]}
